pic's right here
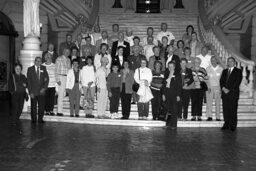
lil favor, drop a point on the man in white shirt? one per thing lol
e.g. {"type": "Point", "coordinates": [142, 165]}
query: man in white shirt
{"type": "Point", "coordinates": [129, 37]}
{"type": "Point", "coordinates": [148, 48]}
{"type": "Point", "coordinates": [166, 33]}
{"type": "Point", "coordinates": [150, 33]}
{"type": "Point", "coordinates": [205, 58]}
{"type": "Point", "coordinates": [214, 72]}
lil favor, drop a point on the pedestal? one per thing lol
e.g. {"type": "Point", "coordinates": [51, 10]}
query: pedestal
{"type": "Point", "coordinates": [30, 50]}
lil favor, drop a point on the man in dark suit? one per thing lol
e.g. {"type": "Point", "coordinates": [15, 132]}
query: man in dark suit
{"type": "Point", "coordinates": [229, 82]}
{"type": "Point", "coordinates": [38, 80]}
{"type": "Point", "coordinates": [68, 44]}
{"type": "Point", "coordinates": [104, 39]}
{"type": "Point", "coordinates": [120, 42]}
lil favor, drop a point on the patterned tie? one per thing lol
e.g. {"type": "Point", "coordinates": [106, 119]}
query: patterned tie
{"type": "Point", "coordinates": [38, 73]}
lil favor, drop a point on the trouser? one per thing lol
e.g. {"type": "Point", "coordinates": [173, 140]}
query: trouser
{"type": "Point", "coordinates": [210, 95]}
{"type": "Point", "coordinates": [143, 109]}
{"type": "Point", "coordinates": [134, 96]}
{"type": "Point", "coordinates": [17, 105]}
{"type": "Point", "coordinates": [156, 102]}
{"type": "Point", "coordinates": [172, 108]}
{"type": "Point", "coordinates": [126, 102]}
{"type": "Point", "coordinates": [89, 93]}
{"type": "Point", "coordinates": [230, 103]}
{"type": "Point", "coordinates": [183, 104]}
{"type": "Point", "coordinates": [197, 97]}
{"type": "Point", "coordinates": [40, 101]}
{"type": "Point", "coordinates": [61, 91]}
{"type": "Point", "coordinates": [102, 97]}
{"type": "Point", "coordinates": [74, 99]}
{"type": "Point", "coordinates": [114, 99]}
{"type": "Point", "coordinates": [50, 96]}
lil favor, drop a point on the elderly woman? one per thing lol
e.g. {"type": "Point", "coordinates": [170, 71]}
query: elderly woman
{"type": "Point", "coordinates": [198, 91]}
{"type": "Point", "coordinates": [17, 87]}
{"type": "Point", "coordinates": [143, 76]}
{"type": "Point", "coordinates": [127, 81]}
{"type": "Point", "coordinates": [50, 92]}
{"type": "Point", "coordinates": [172, 93]}
{"type": "Point", "coordinates": [101, 83]}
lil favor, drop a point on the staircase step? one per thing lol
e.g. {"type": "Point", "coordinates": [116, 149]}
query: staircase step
{"type": "Point", "coordinates": [139, 123]}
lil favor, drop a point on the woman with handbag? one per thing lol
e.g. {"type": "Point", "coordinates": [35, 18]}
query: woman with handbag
{"type": "Point", "coordinates": [17, 87]}
{"type": "Point", "coordinates": [143, 76]}
{"type": "Point", "coordinates": [198, 90]}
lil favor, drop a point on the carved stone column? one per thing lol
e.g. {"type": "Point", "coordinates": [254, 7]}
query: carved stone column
{"type": "Point", "coordinates": [31, 43]}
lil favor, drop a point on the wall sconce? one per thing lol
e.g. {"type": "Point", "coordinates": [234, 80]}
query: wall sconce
{"type": "Point", "coordinates": [41, 27]}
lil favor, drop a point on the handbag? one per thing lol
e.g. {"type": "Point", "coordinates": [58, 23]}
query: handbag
{"type": "Point", "coordinates": [136, 86]}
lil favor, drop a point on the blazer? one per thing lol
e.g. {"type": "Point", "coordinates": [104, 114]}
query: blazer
{"type": "Point", "coordinates": [187, 77]}
{"type": "Point", "coordinates": [35, 85]}
{"type": "Point", "coordinates": [129, 80]}
{"type": "Point", "coordinates": [175, 85]}
{"type": "Point", "coordinates": [19, 83]}
{"type": "Point", "coordinates": [116, 60]}
{"type": "Point", "coordinates": [71, 79]}
{"type": "Point", "coordinates": [99, 42]}
{"type": "Point", "coordinates": [232, 82]}
{"type": "Point", "coordinates": [126, 49]}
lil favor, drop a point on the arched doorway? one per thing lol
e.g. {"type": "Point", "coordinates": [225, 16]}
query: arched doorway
{"type": "Point", "coordinates": [7, 52]}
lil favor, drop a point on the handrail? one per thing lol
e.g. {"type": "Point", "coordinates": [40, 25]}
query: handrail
{"type": "Point", "coordinates": [213, 35]}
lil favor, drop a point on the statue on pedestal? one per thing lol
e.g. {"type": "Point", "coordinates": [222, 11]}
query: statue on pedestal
{"type": "Point", "coordinates": [31, 18]}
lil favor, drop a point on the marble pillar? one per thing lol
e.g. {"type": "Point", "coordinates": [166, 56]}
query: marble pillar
{"type": "Point", "coordinates": [31, 44]}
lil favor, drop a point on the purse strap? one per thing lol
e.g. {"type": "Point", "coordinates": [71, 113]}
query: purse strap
{"type": "Point", "coordinates": [14, 82]}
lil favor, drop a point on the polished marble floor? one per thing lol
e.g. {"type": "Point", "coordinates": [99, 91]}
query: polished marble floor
{"type": "Point", "coordinates": [80, 147]}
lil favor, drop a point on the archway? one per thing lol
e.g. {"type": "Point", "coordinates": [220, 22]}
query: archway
{"type": "Point", "coordinates": [7, 51]}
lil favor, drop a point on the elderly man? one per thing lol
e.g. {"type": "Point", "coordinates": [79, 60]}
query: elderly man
{"type": "Point", "coordinates": [120, 42]}
{"type": "Point", "coordinates": [150, 33]}
{"type": "Point", "coordinates": [62, 66]}
{"type": "Point", "coordinates": [68, 44]}
{"type": "Point", "coordinates": [214, 72]}
{"type": "Point", "coordinates": [148, 48]}
{"type": "Point", "coordinates": [89, 45]}
{"type": "Point", "coordinates": [205, 57]}
{"type": "Point", "coordinates": [230, 81]}
{"type": "Point", "coordinates": [104, 39]}
{"type": "Point", "coordinates": [38, 80]}
{"type": "Point", "coordinates": [165, 33]}
{"type": "Point", "coordinates": [129, 36]}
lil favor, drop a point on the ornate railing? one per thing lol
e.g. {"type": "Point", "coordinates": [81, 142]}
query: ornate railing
{"type": "Point", "coordinates": [215, 37]}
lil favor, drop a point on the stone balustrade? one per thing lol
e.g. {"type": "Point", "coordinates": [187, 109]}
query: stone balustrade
{"type": "Point", "coordinates": [225, 50]}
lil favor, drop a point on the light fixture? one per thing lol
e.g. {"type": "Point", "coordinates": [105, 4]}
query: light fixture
{"type": "Point", "coordinates": [148, 11]}
{"type": "Point", "coordinates": [147, 2]}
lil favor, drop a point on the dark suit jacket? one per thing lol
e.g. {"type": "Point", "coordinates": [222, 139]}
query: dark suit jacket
{"type": "Point", "coordinates": [175, 85]}
{"type": "Point", "coordinates": [126, 49]}
{"type": "Point", "coordinates": [187, 77]}
{"type": "Point", "coordinates": [116, 60]}
{"type": "Point", "coordinates": [232, 82]}
{"type": "Point", "coordinates": [64, 45]}
{"type": "Point", "coordinates": [35, 85]}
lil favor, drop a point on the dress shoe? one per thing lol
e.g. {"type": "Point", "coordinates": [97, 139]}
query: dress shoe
{"type": "Point", "coordinates": [218, 119]}
{"type": "Point", "coordinates": [33, 122]}
{"type": "Point", "coordinates": [209, 119]}
{"type": "Point", "coordinates": [71, 115]}
{"type": "Point", "coordinates": [89, 116]}
{"type": "Point", "coordinates": [124, 118]}
{"type": "Point", "coordinates": [41, 121]}
{"type": "Point", "coordinates": [47, 113]}
{"type": "Point", "coordinates": [52, 113]}
{"type": "Point", "coordinates": [77, 116]}
{"type": "Point", "coordinates": [59, 114]}
{"type": "Point", "coordinates": [199, 119]}
{"type": "Point", "coordinates": [224, 128]}
{"type": "Point", "coordinates": [193, 119]}
{"type": "Point", "coordinates": [233, 129]}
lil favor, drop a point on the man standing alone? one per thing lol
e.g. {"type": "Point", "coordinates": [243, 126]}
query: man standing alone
{"type": "Point", "coordinates": [229, 82]}
{"type": "Point", "coordinates": [38, 80]}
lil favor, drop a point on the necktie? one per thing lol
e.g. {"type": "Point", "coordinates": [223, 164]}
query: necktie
{"type": "Point", "coordinates": [229, 72]}
{"type": "Point", "coordinates": [38, 73]}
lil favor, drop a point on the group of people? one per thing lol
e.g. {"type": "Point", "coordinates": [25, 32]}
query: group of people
{"type": "Point", "coordinates": [124, 67]}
